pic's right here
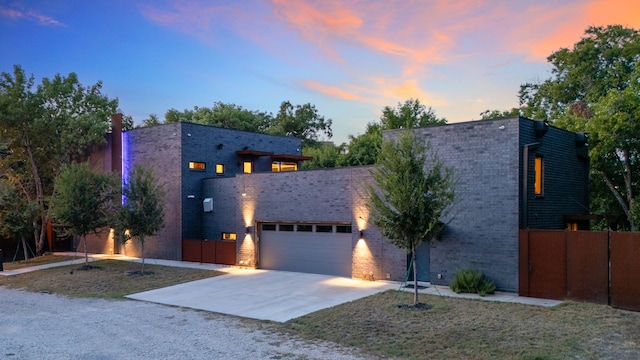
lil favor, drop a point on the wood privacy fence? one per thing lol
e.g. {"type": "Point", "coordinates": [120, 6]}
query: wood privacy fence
{"type": "Point", "coordinates": [594, 266]}
{"type": "Point", "coordinates": [209, 251]}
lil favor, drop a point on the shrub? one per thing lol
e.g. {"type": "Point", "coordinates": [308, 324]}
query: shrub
{"type": "Point", "coordinates": [472, 281]}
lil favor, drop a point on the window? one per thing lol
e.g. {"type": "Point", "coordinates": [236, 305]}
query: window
{"type": "Point", "coordinates": [228, 236]}
{"type": "Point", "coordinates": [269, 227]}
{"type": "Point", "coordinates": [285, 227]}
{"type": "Point", "coordinates": [278, 166]}
{"type": "Point", "coordinates": [219, 169]}
{"type": "Point", "coordinates": [572, 226]}
{"type": "Point", "coordinates": [247, 167]}
{"type": "Point", "coordinates": [324, 228]}
{"type": "Point", "coordinates": [305, 228]}
{"type": "Point", "coordinates": [344, 229]}
{"type": "Point", "coordinates": [196, 165]}
{"type": "Point", "coordinates": [538, 184]}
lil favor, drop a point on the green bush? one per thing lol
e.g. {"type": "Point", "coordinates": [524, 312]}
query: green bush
{"type": "Point", "coordinates": [472, 281]}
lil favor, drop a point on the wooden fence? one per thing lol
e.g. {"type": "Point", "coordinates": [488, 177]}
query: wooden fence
{"type": "Point", "coordinates": [594, 266]}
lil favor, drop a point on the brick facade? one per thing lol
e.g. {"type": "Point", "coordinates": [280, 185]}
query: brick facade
{"type": "Point", "coordinates": [482, 227]}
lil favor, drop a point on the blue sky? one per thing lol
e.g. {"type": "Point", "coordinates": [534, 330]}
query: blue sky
{"type": "Point", "coordinates": [349, 58]}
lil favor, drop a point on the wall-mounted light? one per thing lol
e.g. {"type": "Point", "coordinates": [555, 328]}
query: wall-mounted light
{"type": "Point", "coordinates": [247, 230]}
{"type": "Point", "coordinates": [244, 194]}
{"type": "Point", "coordinates": [361, 234]}
{"type": "Point", "coordinates": [191, 196]}
{"type": "Point", "coordinates": [219, 146]}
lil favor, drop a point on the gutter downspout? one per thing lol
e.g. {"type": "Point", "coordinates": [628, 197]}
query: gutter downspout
{"type": "Point", "coordinates": [525, 183]}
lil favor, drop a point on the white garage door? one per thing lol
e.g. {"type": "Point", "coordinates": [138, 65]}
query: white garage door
{"type": "Point", "coordinates": [309, 248]}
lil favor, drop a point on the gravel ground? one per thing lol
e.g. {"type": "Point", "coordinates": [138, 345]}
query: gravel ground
{"type": "Point", "coordinates": [45, 326]}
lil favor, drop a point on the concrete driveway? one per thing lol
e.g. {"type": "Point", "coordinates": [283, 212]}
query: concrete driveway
{"type": "Point", "coordinates": [264, 294]}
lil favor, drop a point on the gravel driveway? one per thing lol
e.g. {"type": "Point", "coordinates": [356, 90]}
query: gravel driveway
{"type": "Point", "coordinates": [45, 326]}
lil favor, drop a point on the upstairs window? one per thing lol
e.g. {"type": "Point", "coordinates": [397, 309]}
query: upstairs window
{"type": "Point", "coordinates": [538, 184]}
{"type": "Point", "coordinates": [278, 166]}
{"type": "Point", "coordinates": [247, 167]}
{"type": "Point", "coordinates": [220, 169]}
{"type": "Point", "coordinates": [196, 165]}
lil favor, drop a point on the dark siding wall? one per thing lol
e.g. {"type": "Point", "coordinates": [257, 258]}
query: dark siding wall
{"type": "Point", "coordinates": [566, 174]}
{"type": "Point", "coordinates": [482, 230]}
{"type": "Point", "coordinates": [201, 143]}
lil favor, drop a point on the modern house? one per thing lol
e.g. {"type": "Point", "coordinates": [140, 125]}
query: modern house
{"type": "Point", "coordinates": [237, 198]}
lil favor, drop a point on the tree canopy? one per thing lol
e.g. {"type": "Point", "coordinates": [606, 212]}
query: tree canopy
{"type": "Point", "coordinates": [411, 193]}
{"type": "Point", "coordinates": [409, 114]}
{"type": "Point", "coordinates": [301, 121]}
{"type": "Point", "coordinates": [142, 213]}
{"type": "Point", "coordinates": [594, 89]}
{"type": "Point", "coordinates": [84, 201]}
{"type": "Point", "coordinates": [47, 126]}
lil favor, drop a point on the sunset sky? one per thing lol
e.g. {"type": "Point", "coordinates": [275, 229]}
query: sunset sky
{"type": "Point", "coordinates": [349, 58]}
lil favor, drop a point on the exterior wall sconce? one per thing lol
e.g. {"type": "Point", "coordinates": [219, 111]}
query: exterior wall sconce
{"type": "Point", "coordinates": [247, 230]}
{"type": "Point", "coordinates": [361, 234]}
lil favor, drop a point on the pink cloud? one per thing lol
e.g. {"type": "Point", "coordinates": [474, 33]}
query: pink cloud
{"type": "Point", "coordinates": [330, 90]}
{"type": "Point", "coordinates": [30, 15]}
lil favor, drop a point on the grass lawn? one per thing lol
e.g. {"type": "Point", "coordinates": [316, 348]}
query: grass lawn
{"type": "Point", "coordinates": [109, 279]}
{"type": "Point", "coordinates": [452, 329]}
{"type": "Point", "coordinates": [473, 329]}
{"type": "Point", "coordinates": [38, 260]}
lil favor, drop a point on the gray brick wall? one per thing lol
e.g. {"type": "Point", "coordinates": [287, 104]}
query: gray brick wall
{"type": "Point", "coordinates": [322, 196]}
{"type": "Point", "coordinates": [482, 228]}
{"type": "Point", "coordinates": [158, 148]}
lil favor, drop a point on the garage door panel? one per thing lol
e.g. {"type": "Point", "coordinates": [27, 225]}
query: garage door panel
{"type": "Point", "coordinates": [321, 253]}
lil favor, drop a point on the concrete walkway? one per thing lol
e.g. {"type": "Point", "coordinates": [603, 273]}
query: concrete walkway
{"type": "Point", "coordinates": [268, 294]}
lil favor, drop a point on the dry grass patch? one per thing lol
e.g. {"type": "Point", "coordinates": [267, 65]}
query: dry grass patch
{"type": "Point", "coordinates": [110, 279]}
{"type": "Point", "coordinates": [473, 329]}
{"type": "Point", "coordinates": [38, 260]}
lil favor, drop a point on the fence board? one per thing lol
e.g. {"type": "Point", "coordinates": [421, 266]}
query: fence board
{"type": "Point", "coordinates": [547, 264]}
{"type": "Point", "coordinates": [191, 250]}
{"type": "Point", "coordinates": [588, 266]}
{"type": "Point", "coordinates": [625, 270]}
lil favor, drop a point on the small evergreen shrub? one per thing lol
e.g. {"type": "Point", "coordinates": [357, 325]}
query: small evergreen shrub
{"type": "Point", "coordinates": [472, 281]}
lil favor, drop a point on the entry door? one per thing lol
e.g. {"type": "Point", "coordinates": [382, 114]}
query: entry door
{"type": "Point", "coordinates": [424, 263]}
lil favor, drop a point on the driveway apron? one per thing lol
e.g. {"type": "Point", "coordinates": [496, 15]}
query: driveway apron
{"type": "Point", "coordinates": [264, 294]}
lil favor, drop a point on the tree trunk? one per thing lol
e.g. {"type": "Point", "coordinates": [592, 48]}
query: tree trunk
{"type": "Point", "coordinates": [621, 201]}
{"type": "Point", "coordinates": [37, 181]}
{"type": "Point", "coordinates": [628, 186]}
{"type": "Point", "coordinates": [24, 249]}
{"type": "Point", "coordinates": [142, 253]}
{"type": "Point", "coordinates": [86, 253]}
{"type": "Point", "coordinates": [415, 274]}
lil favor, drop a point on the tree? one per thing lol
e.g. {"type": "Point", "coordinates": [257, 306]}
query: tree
{"type": "Point", "coordinates": [497, 114]}
{"type": "Point", "coordinates": [142, 213]}
{"type": "Point", "coordinates": [602, 60]}
{"type": "Point", "coordinates": [363, 149]}
{"type": "Point", "coordinates": [300, 121]}
{"type": "Point", "coordinates": [615, 146]}
{"type": "Point", "coordinates": [152, 120]}
{"type": "Point", "coordinates": [16, 215]}
{"type": "Point", "coordinates": [410, 194]}
{"type": "Point", "coordinates": [324, 154]}
{"type": "Point", "coordinates": [594, 89]}
{"type": "Point", "coordinates": [49, 126]}
{"type": "Point", "coordinates": [408, 115]}
{"type": "Point", "coordinates": [84, 201]}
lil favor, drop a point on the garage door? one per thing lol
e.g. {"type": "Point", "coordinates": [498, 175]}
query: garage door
{"type": "Point", "coordinates": [309, 248]}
